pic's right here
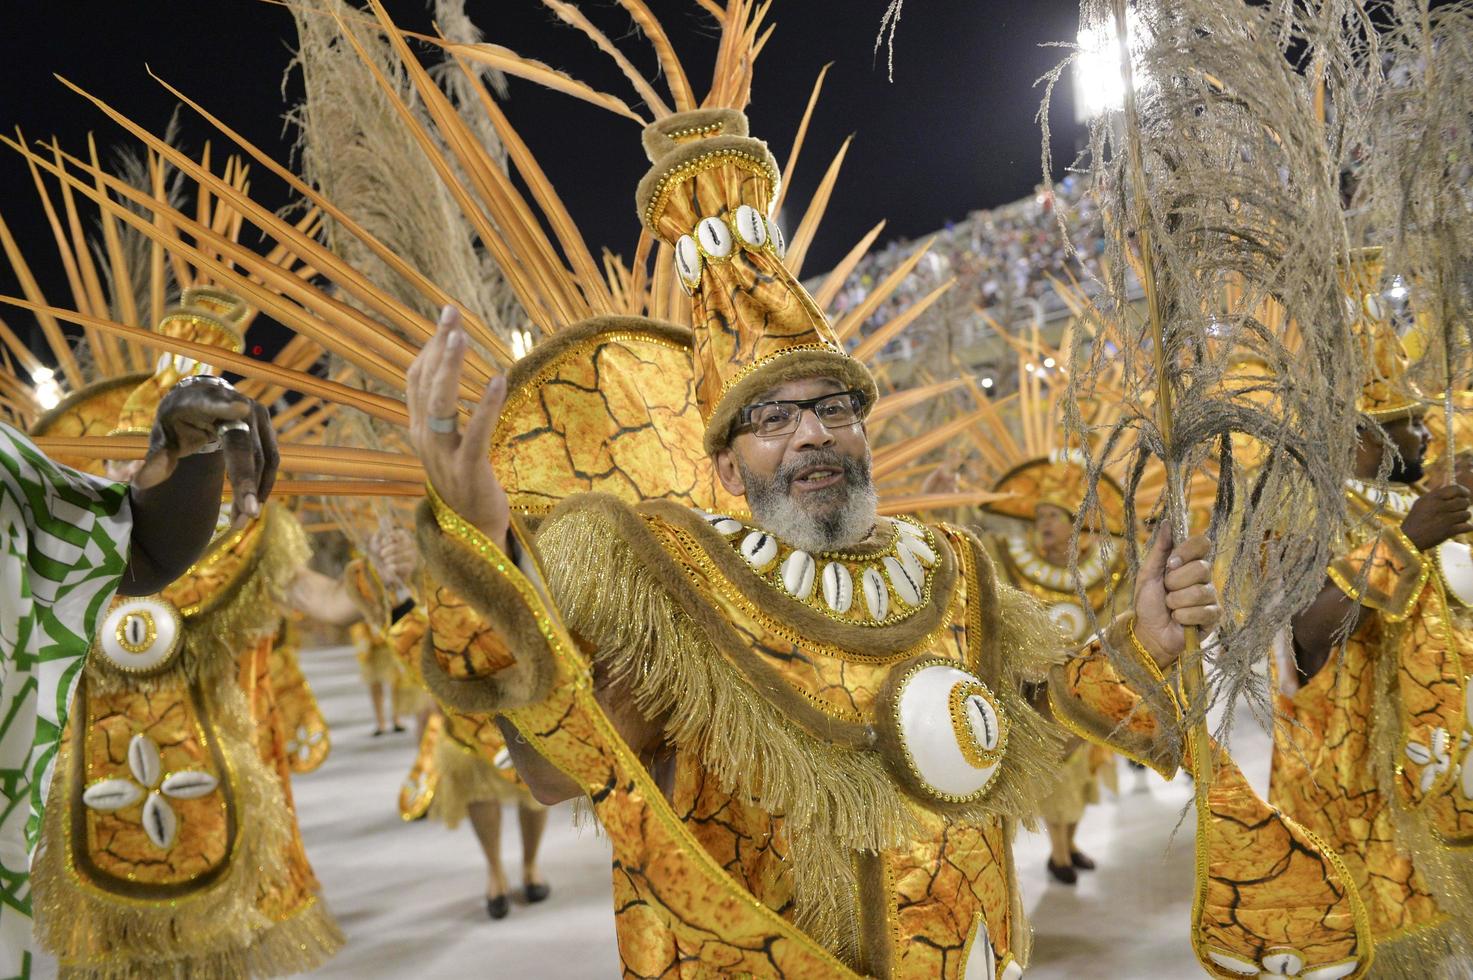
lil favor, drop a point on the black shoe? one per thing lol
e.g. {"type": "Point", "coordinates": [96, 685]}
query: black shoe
{"type": "Point", "coordinates": [1081, 861]}
{"type": "Point", "coordinates": [498, 907]}
{"type": "Point", "coordinates": [536, 891]}
{"type": "Point", "coordinates": [399, 729]}
{"type": "Point", "coordinates": [377, 732]}
{"type": "Point", "coordinates": [1064, 875]}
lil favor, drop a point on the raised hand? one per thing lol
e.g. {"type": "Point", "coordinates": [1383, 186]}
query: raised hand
{"type": "Point", "coordinates": [202, 414]}
{"type": "Point", "coordinates": [1174, 590]}
{"type": "Point", "coordinates": [457, 462]}
{"type": "Point", "coordinates": [1438, 515]}
{"type": "Point", "coordinates": [394, 554]}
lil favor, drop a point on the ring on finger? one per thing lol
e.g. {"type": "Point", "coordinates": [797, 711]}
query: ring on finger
{"type": "Point", "coordinates": [443, 424]}
{"type": "Point", "coordinates": [234, 425]}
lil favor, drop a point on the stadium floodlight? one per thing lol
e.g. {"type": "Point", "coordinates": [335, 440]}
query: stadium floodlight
{"type": "Point", "coordinates": [1097, 85]}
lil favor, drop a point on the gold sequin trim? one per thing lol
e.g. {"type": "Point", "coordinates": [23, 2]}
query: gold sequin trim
{"type": "Point", "coordinates": [751, 162]}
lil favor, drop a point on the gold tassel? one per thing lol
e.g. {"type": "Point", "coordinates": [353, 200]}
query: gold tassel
{"type": "Point", "coordinates": [466, 778]}
{"type": "Point", "coordinates": [99, 937]}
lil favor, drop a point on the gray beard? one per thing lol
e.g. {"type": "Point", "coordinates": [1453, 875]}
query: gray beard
{"type": "Point", "coordinates": [843, 516]}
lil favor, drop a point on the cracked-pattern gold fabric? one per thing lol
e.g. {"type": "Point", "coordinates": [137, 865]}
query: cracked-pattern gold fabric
{"type": "Point", "coordinates": [615, 412]}
{"type": "Point", "coordinates": [1341, 765]}
{"type": "Point", "coordinates": [1263, 882]}
{"type": "Point", "coordinates": [234, 893]}
{"type": "Point", "coordinates": [709, 875]}
{"type": "Point", "coordinates": [308, 741]}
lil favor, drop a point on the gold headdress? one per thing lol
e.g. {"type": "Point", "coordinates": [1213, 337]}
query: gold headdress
{"type": "Point", "coordinates": [204, 316]}
{"type": "Point", "coordinates": [1388, 391]}
{"type": "Point", "coordinates": [708, 196]}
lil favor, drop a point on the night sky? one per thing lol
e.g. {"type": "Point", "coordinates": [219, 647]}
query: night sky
{"type": "Point", "coordinates": [954, 132]}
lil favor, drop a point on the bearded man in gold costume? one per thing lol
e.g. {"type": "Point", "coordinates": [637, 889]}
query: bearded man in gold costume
{"type": "Point", "coordinates": [1374, 758]}
{"type": "Point", "coordinates": [803, 730]}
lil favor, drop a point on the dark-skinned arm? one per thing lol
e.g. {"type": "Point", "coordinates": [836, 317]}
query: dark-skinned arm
{"type": "Point", "coordinates": [1435, 517]}
{"type": "Point", "coordinates": [175, 497]}
{"type": "Point", "coordinates": [1332, 614]}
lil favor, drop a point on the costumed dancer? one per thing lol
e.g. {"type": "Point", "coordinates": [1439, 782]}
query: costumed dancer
{"type": "Point", "coordinates": [174, 843]}
{"type": "Point", "coordinates": [815, 825]}
{"type": "Point", "coordinates": [1373, 756]}
{"type": "Point", "coordinates": [1046, 492]}
{"type": "Point", "coordinates": [749, 704]}
{"type": "Point", "coordinates": [464, 771]}
{"type": "Point", "coordinates": [68, 540]}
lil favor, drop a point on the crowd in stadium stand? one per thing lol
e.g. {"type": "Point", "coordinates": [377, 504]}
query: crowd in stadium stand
{"type": "Point", "coordinates": [1001, 259]}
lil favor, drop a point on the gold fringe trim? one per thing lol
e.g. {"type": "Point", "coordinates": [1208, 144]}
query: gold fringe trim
{"type": "Point", "coordinates": [305, 941]}
{"type": "Point", "coordinates": [252, 607]}
{"type": "Point", "coordinates": [1448, 871]}
{"type": "Point", "coordinates": [466, 778]}
{"type": "Point", "coordinates": [1439, 953]}
{"type": "Point", "coordinates": [97, 935]}
{"type": "Point", "coordinates": [835, 800]}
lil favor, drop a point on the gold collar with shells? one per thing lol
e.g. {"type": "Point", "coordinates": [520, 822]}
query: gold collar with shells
{"type": "Point", "coordinates": [1040, 571]}
{"type": "Point", "coordinates": [866, 587]}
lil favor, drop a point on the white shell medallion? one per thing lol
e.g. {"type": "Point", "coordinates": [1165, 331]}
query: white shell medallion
{"type": "Point", "coordinates": [1456, 563]}
{"type": "Point", "coordinates": [714, 237]}
{"type": "Point", "coordinates": [759, 549]}
{"type": "Point", "coordinates": [952, 729]}
{"type": "Point", "coordinates": [688, 261]}
{"type": "Point", "coordinates": [751, 227]}
{"type": "Point", "coordinates": [799, 570]}
{"type": "Point", "coordinates": [1069, 617]}
{"type": "Point", "coordinates": [139, 636]}
{"type": "Point", "coordinates": [838, 587]}
{"type": "Point", "coordinates": [775, 236]}
{"type": "Point", "coordinates": [876, 596]}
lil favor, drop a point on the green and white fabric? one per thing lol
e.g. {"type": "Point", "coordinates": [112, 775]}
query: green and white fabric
{"type": "Point", "coordinates": [63, 549]}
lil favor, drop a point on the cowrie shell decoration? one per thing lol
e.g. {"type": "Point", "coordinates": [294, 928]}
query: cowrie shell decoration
{"type": "Point", "coordinates": [799, 570]}
{"type": "Point", "coordinates": [189, 785]}
{"type": "Point", "coordinates": [111, 794]}
{"type": "Point", "coordinates": [907, 585]}
{"type": "Point", "coordinates": [759, 549]}
{"type": "Point", "coordinates": [876, 596]}
{"type": "Point", "coordinates": [143, 760]}
{"type": "Point", "coordinates": [725, 526]}
{"type": "Point", "coordinates": [838, 587]}
{"type": "Point", "coordinates": [775, 236]}
{"type": "Point", "coordinates": [751, 227]}
{"type": "Point", "coordinates": [714, 237]}
{"type": "Point", "coordinates": [160, 822]}
{"type": "Point", "coordinates": [687, 262]}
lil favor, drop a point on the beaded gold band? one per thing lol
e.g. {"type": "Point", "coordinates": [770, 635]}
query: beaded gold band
{"type": "Point", "coordinates": [464, 531]}
{"type": "Point", "coordinates": [1144, 656]}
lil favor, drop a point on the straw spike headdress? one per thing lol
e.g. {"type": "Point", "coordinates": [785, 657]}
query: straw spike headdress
{"type": "Point", "coordinates": [621, 323]}
{"type": "Point", "coordinates": [1219, 177]}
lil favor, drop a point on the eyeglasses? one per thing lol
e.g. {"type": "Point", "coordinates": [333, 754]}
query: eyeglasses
{"type": "Point", "coordinates": [768, 420]}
